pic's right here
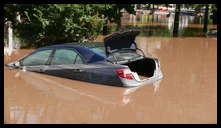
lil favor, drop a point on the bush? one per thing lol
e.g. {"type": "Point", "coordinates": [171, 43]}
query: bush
{"type": "Point", "coordinates": [46, 24]}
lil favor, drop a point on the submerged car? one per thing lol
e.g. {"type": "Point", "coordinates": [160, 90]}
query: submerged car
{"type": "Point", "coordinates": [114, 62]}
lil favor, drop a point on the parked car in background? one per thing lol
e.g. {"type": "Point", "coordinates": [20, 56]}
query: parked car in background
{"type": "Point", "coordinates": [114, 62]}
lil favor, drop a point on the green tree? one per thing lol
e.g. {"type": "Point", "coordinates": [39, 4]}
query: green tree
{"type": "Point", "coordinates": [214, 13]}
{"type": "Point", "coordinates": [112, 13]}
{"type": "Point", "coordinates": [206, 12]}
{"type": "Point", "coordinates": [44, 24]}
{"type": "Point", "coordinates": [208, 8]}
{"type": "Point", "coordinates": [198, 10]}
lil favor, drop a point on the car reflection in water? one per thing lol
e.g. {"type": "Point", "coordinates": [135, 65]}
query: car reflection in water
{"type": "Point", "coordinates": [63, 91]}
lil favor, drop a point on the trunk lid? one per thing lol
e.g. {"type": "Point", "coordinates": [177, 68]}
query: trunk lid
{"type": "Point", "coordinates": [120, 40]}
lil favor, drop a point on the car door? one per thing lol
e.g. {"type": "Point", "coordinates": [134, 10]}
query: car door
{"type": "Point", "coordinates": [36, 61]}
{"type": "Point", "coordinates": [66, 63]}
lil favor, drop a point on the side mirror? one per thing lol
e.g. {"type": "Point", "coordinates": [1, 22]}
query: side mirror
{"type": "Point", "coordinates": [15, 64]}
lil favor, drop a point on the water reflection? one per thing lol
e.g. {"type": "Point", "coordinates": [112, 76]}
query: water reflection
{"type": "Point", "coordinates": [157, 86]}
{"type": "Point", "coordinates": [25, 114]}
{"type": "Point", "coordinates": [57, 93]}
{"type": "Point", "coordinates": [161, 24]}
{"type": "Point", "coordinates": [170, 23]}
{"type": "Point", "coordinates": [45, 85]}
{"type": "Point", "coordinates": [150, 46]}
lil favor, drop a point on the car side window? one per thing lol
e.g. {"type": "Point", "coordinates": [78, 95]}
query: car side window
{"type": "Point", "coordinates": [64, 56]}
{"type": "Point", "coordinates": [37, 58]}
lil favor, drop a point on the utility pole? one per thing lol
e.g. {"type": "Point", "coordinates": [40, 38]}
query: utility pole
{"type": "Point", "coordinates": [176, 20]}
{"type": "Point", "coordinates": [205, 24]}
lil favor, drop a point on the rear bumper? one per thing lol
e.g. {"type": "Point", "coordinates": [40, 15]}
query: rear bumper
{"type": "Point", "coordinates": [134, 83]}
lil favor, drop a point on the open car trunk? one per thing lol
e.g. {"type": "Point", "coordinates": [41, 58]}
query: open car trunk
{"type": "Point", "coordinates": [144, 68]}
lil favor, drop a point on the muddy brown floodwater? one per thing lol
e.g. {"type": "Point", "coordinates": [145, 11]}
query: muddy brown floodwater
{"type": "Point", "coordinates": [187, 93]}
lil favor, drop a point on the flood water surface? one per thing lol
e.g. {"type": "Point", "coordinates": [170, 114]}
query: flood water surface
{"type": "Point", "coordinates": [186, 94]}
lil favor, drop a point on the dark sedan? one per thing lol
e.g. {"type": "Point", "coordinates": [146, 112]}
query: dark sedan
{"type": "Point", "coordinates": [116, 63]}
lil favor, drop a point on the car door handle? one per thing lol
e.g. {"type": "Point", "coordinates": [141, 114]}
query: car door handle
{"type": "Point", "coordinates": [79, 70]}
{"type": "Point", "coordinates": [41, 70]}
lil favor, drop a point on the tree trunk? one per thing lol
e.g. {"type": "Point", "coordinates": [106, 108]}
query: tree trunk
{"type": "Point", "coordinates": [157, 15]}
{"type": "Point", "coordinates": [214, 17]}
{"type": "Point", "coordinates": [118, 26]}
{"type": "Point", "coordinates": [205, 24]}
{"type": "Point", "coordinates": [9, 45]}
{"type": "Point", "coordinates": [153, 13]}
{"type": "Point", "coordinates": [105, 28]}
{"type": "Point", "coordinates": [119, 19]}
{"type": "Point", "coordinates": [176, 21]}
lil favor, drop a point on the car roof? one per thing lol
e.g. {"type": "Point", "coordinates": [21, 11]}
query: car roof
{"type": "Point", "coordinates": [88, 55]}
{"type": "Point", "coordinates": [61, 46]}
{"type": "Point", "coordinates": [88, 44]}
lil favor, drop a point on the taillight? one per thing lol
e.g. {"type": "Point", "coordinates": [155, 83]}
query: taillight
{"type": "Point", "coordinates": [125, 73]}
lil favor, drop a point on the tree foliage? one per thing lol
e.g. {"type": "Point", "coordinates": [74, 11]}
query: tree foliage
{"type": "Point", "coordinates": [112, 11]}
{"type": "Point", "coordinates": [44, 24]}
